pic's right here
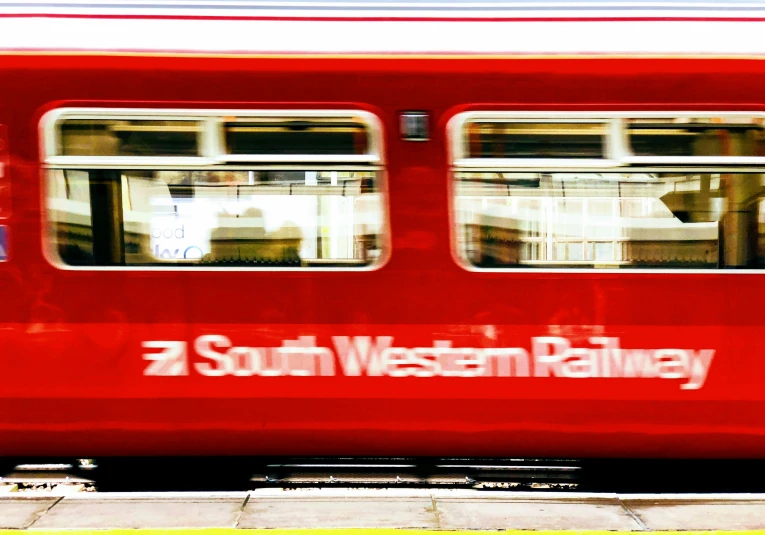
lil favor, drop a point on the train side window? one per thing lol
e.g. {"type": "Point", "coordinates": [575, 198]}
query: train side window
{"type": "Point", "coordinates": [194, 202]}
{"type": "Point", "coordinates": [669, 192]}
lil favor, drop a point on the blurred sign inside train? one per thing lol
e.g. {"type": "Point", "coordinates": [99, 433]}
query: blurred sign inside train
{"type": "Point", "coordinates": [3, 243]}
{"type": "Point", "coordinates": [5, 183]}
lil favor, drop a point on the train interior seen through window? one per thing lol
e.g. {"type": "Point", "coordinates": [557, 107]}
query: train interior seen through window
{"type": "Point", "coordinates": [680, 191]}
{"type": "Point", "coordinates": [268, 199]}
{"type": "Point", "coordinates": [631, 193]}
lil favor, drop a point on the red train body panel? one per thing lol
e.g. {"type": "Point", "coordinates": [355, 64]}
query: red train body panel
{"type": "Point", "coordinates": [73, 341]}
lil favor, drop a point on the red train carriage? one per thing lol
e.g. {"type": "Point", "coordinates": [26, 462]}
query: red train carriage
{"type": "Point", "coordinates": [434, 231]}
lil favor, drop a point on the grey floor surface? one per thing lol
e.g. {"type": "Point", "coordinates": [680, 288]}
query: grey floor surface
{"type": "Point", "coordinates": [337, 508]}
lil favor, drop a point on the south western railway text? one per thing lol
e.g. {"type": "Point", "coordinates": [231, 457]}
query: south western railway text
{"type": "Point", "coordinates": [548, 356]}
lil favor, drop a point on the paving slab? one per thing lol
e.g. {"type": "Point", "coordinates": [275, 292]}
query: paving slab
{"type": "Point", "coordinates": [126, 512]}
{"type": "Point", "coordinates": [339, 512]}
{"type": "Point", "coordinates": [20, 513]}
{"type": "Point", "coordinates": [509, 513]}
{"type": "Point", "coordinates": [699, 514]}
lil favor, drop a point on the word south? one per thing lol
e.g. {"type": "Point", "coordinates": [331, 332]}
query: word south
{"type": "Point", "coordinates": [548, 356]}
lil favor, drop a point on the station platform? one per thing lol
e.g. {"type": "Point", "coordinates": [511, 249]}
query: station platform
{"type": "Point", "coordinates": [379, 511]}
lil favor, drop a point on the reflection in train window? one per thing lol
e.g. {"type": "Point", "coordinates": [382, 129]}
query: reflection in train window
{"type": "Point", "coordinates": [98, 137]}
{"type": "Point", "coordinates": [651, 220]}
{"type": "Point", "coordinates": [497, 139]}
{"type": "Point", "coordinates": [693, 137]}
{"type": "Point", "coordinates": [216, 218]}
{"type": "Point", "coordinates": [340, 136]}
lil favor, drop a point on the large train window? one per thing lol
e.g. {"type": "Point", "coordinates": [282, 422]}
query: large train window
{"type": "Point", "coordinates": [628, 190]}
{"type": "Point", "coordinates": [191, 188]}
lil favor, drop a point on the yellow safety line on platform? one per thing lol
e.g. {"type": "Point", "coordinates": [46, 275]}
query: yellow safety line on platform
{"type": "Point", "coordinates": [356, 531]}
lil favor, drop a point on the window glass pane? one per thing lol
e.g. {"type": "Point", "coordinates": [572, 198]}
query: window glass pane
{"type": "Point", "coordinates": [70, 217]}
{"type": "Point", "coordinates": [99, 137]}
{"type": "Point", "coordinates": [486, 139]}
{"type": "Point", "coordinates": [341, 137]}
{"type": "Point", "coordinates": [221, 218]}
{"type": "Point", "coordinates": [723, 136]}
{"type": "Point", "coordinates": [604, 251]}
{"type": "Point", "coordinates": [646, 220]}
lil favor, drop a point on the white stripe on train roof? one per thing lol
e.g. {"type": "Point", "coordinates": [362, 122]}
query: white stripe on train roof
{"type": "Point", "coordinates": [534, 5]}
{"type": "Point", "coordinates": [361, 5]}
{"type": "Point", "coordinates": [419, 14]}
{"type": "Point", "coordinates": [692, 38]}
{"type": "Point", "coordinates": [393, 8]}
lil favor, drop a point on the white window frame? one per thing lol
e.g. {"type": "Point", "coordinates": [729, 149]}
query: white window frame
{"type": "Point", "coordinates": [617, 158]}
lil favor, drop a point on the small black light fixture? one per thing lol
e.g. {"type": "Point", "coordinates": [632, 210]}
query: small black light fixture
{"type": "Point", "coordinates": [415, 126]}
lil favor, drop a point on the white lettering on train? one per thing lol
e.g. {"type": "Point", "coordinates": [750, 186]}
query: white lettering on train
{"type": "Point", "coordinates": [171, 361]}
{"type": "Point", "coordinates": [299, 357]}
{"type": "Point", "coordinates": [554, 356]}
{"type": "Point", "coordinates": [550, 356]}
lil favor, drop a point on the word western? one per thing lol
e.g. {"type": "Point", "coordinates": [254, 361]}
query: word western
{"type": "Point", "coordinates": [549, 356]}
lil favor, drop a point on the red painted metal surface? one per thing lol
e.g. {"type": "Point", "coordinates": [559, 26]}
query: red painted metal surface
{"type": "Point", "coordinates": [70, 341]}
